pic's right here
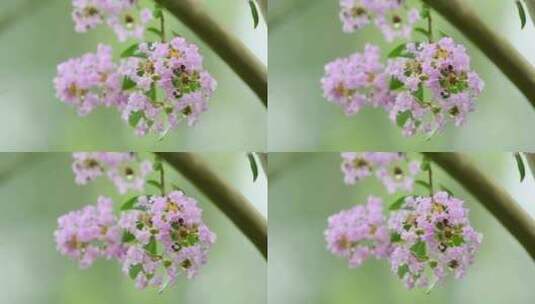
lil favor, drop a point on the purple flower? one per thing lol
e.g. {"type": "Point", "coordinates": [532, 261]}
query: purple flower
{"type": "Point", "coordinates": [357, 81]}
{"type": "Point", "coordinates": [359, 233]}
{"type": "Point", "coordinates": [174, 68]}
{"type": "Point", "coordinates": [390, 16]}
{"type": "Point", "coordinates": [89, 81]}
{"type": "Point", "coordinates": [432, 233]}
{"type": "Point", "coordinates": [122, 169]}
{"type": "Point", "coordinates": [89, 233]}
{"type": "Point", "coordinates": [391, 169]}
{"type": "Point", "coordinates": [443, 69]}
{"type": "Point", "coordinates": [169, 237]}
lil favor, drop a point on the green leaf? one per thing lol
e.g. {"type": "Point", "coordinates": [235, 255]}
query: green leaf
{"type": "Point", "coordinates": [396, 205]}
{"type": "Point", "coordinates": [156, 31]}
{"type": "Point", "coordinates": [395, 237]}
{"type": "Point", "coordinates": [422, 31]}
{"type": "Point", "coordinates": [128, 83]}
{"type": "Point", "coordinates": [419, 250]}
{"type": "Point", "coordinates": [129, 204]}
{"type": "Point", "coordinates": [521, 166]}
{"type": "Point", "coordinates": [457, 240]}
{"type": "Point", "coordinates": [254, 166]}
{"type": "Point", "coordinates": [397, 51]}
{"type": "Point", "coordinates": [403, 270]}
{"type": "Point", "coordinates": [403, 117]}
{"type": "Point", "coordinates": [128, 237]}
{"type": "Point", "coordinates": [135, 270]}
{"type": "Point", "coordinates": [419, 94]}
{"type": "Point", "coordinates": [424, 184]}
{"type": "Point", "coordinates": [154, 183]}
{"type": "Point", "coordinates": [152, 247]}
{"type": "Point", "coordinates": [151, 94]}
{"type": "Point", "coordinates": [134, 118]}
{"type": "Point", "coordinates": [395, 84]}
{"type": "Point", "coordinates": [522, 14]}
{"type": "Point", "coordinates": [254, 12]}
{"type": "Point", "coordinates": [130, 51]}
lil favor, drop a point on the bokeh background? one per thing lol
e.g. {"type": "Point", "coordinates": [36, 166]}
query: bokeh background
{"type": "Point", "coordinates": [38, 188]}
{"type": "Point", "coordinates": [305, 189]}
{"type": "Point", "coordinates": [304, 39]}
{"type": "Point", "coordinates": [42, 36]}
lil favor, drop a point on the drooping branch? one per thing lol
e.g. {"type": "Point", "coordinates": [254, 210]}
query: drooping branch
{"type": "Point", "coordinates": [496, 48]}
{"type": "Point", "coordinates": [495, 199]}
{"type": "Point", "coordinates": [231, 202]}
{"type": "Point", "coordinates": [240, 59]}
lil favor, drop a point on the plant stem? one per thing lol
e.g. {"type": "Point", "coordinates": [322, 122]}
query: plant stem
{"type": "Point", "coordinates": [231, 202]}
{"type": "Point", "coordinates": [430, 175]}
{"type": "Point", "coordinates": [162, 180]}
{"type": "Point", "coordinates": [491, 196]}
{"type": "Point", "coordinates": [240, 59]}
{"type": "Point", "coordinates": [429, 23]}
{"type": "Point", "coordinates": [495, 47]}
{"type": "Point", "coordinates": [162, 27]}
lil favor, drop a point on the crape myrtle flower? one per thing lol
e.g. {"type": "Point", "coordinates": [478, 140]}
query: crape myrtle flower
{"type": "Point", "coordinates": [358, 233]}
{"type": "Point", "coordinates": [356, 81]}
{"type": "Point", "coordinates": [434, 85]}
{"type": "Point", "coordinates": [90, 81]}
{"type": "Point", "coordinates": [173, 69]}
{"type": "Point", "coordinates": [123, 169]}
{"type": "Point", "coordinates": [394, 171]}
{"type": "Point", "coordinates": [89, 233]}
{"type": "Point", "coordinates": [165, 236]}
{"type": "Point", "coordinates": [431, 235]}
{"type": "Point", "coordinates": [122, 16]}
{"type": "Point", "coordinates": [390, 16]}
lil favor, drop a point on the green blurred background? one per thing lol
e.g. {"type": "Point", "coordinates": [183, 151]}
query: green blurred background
{"type": "Point", "coordinates": [33, 119]}
{"type": "Point", "coordinates": [307, 188]}
{"type": "Point", "coordinates": [300, 119]}
{"type": "Point", "coordinates": [38, 188]}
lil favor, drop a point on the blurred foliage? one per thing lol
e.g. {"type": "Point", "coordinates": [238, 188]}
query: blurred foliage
{"type": "Point", "coordinates": [305, 189]}
{"type": "Point", "coordinates": [303, 40]}
{"type": "Point", "coordinates": [33, 119]}
{"type": "Point", "coordinates": [41, 188]}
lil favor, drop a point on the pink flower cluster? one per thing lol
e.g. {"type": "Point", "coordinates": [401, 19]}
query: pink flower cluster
{"type": "Point", "coordinates": [427, 86]}
{"type": "Point", "coordinates": [154, 86]}
{"type": "Point", "coordinates": [390, 16]}
{"type": "Point", "coordinates": [432, 233]}
{"type": "Point", "coordinates": [122, 169]}
{"type": "Point", "coordinates": [357, 81]}
{"type": "Point", "coordinates": [89, 233]}
{"type": "Point", "coordinates": [122, 16]}
{"type": "Point", "coordinates": [436, 85]}
{"type": "Point", "coordinates": [155, 240]}
{"type": "Point", "coordinates": [394, 171]}
{"type": "Point", "coordinates": [425, 240]}
{"type": "Point", "coordinates": [90, 81]}
{"type": "Point", "coordinates": [176, 70]}
{"type": "Point", "coordinates": [359, 233]}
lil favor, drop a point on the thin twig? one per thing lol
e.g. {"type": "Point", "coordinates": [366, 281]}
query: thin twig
{"type": "Point", "coordinates": [240, 59]}
{"type": "Point", "coordinates": [495, 47]}
{"type": "Point", "coordinates": [231, 202]}
{"type": "Point", "coordinates": [491, 196]}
